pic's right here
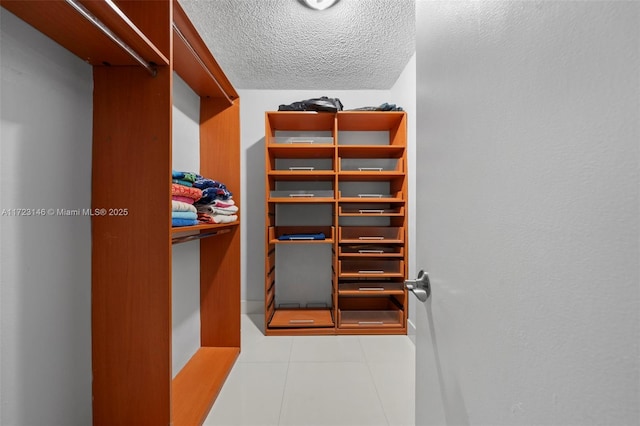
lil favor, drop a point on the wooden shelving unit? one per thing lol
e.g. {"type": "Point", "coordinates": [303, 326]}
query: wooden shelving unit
{"type": "Point", "coordinates": [354, 163]}
{"type": "Point", "coordinates": [131, 168]}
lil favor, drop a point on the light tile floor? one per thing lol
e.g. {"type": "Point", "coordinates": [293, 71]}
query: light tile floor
{"type": "Point", "coordinates": [318, 380]}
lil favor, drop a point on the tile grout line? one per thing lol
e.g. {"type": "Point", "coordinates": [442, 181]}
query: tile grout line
{"type": "Point", "coordinates": [373, 380]}
{"type": "Point", "coordinates": [284, 388]}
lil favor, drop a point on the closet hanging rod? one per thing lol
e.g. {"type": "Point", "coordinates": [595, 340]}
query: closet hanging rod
{"type": "Point", "coordinates": [186, 238]}
{"type": "Point", "coordinates": [102, 27]}
{"type": "Point", "coordinates": [200, 61]}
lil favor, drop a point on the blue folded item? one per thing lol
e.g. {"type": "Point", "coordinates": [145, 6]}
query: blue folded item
{"type": "Point", "coordinates": [184, 215]}
{"type": "Point", "coordinates": [209, 195]}
{"type": "Point", "coordinates": [293, 237]}
{"type": "Point", "coordinates": [213, 189]}
{"type": "Point", "coordinates": [183, 222]}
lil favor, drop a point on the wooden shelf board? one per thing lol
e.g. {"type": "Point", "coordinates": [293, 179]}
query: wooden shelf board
{"type": "Point", "coordinates": [301, 331]}
{"type": "Point", "coordinates": [357, 241]}
{"type": "Point", "coordinates": [296, 175]}
{"type": "Point", "coordinates": [370, 214]}
{"type": "Point", "coordinates": [282, 150]}
{"type": "Point", "coordinates": [197, 385]}
{"type": "Point", "coordinates": [368, 275]}
{"type": "Point", "coordinates": [301, 200]}
{"type": "Point", "coordinates": [369, 200]}
{"type": "Point", "coordinates": [63, 24]}
{"type": "Point", "coordinates": [369, 176]}
{"type": "Point", "coordinates": [302, 318]}
{"type": "Point", "coordinates": [182, 233]}
{"type": "Point", "coordinates": [371, 331]}
{"type": "Point", "coordinates": [371, 151]}
{"type": "Point", "coordinates": [363, 293]}
{"type": "Point", "coordinates": [369, 255]}
{"type": "Point", "coordinates": [325, 241]}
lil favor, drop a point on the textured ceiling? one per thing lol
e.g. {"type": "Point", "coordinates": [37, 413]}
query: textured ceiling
{"type": "Point", "coordinates": [281, 44]}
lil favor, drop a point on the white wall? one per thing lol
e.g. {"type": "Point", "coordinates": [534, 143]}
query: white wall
{"type": "Point", "coordinates": [528, 116]}
{"type": "Point", "coordinates": [253, 106]}
{"type": "Point", "coordinates": [45, 262]}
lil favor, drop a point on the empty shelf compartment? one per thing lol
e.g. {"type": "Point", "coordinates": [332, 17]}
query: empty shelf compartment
{"type": "Point", "coordinates": [356, 268]}
{"type": "Point", "coordinates": [307, 234]}
{"type": "Point", "coordinates": [369, 312]}
{"type": "Point", "coordinates": [369, 318]}
{"type": "Point", "coordinates": [303, 164]}
{"type": "Point", "coordinates": [371, 234]}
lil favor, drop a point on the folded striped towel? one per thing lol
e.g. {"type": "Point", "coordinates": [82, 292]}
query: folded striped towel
{"type": "Point", "coordinates": [214, 210]}
{"type": "Point", "coordinates": [179, 206]}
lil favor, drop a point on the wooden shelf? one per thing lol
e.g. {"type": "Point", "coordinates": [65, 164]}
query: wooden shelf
{"type": "Point", "coordinates": [296, 318]}
{"type": "Point", "coordinates": [181, 234]}
{"type": "Point", "coordinates": [311, 175]}
{"type": "Point", "coordinates": [365, 176]}
{"type": "Point", "coordinates": [62, 23]}
{"type": "Point", "coordinates": [131, 297]}
{"type": "Point", "coordinates": [371, 151]}
{"type": "Point", "coordinates": [368, 174]}
{"type": "Point", "coordinates": [301, 151]}
{"type": "Point", "coordinates": [283, 200]}
{"type": "Point", "coordinates": [371, 288]}
{"type": "Point", "coordinates": [372, 210]}
{"type": "Point", "coordinates": [197, 385]}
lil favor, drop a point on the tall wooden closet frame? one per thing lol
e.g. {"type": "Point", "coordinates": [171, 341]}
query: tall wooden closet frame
{"type": "Point", "coordinates": [133, 381]}
{"type": "Point", "coordinates": [366, 233]}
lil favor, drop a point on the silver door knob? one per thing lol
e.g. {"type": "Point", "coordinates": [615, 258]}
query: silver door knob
{"type": "Point", "coordinates": [421, 286]}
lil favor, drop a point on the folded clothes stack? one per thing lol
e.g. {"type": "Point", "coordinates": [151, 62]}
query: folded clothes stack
{"type": "Point", "coordinates": [218, 211]}
{"type": "Point", "coordinates": [210, 200]}
{"type": "Point", "coordinates": [183, 196]}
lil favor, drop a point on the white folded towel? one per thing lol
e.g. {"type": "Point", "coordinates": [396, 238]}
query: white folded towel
{"type": "Point", "coordinates": [179, 206]}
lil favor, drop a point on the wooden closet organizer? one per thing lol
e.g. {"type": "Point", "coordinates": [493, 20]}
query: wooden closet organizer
{"type": "Point", "coordinates": [133, 381]}
{"type": "Point", "coordinates": [341, 178]}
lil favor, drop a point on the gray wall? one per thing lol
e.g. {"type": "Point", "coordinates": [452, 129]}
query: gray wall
{"type": "Point", "coordinates": [528, 115]}
{"type": "Point", "coordinates": [45, 262]}
{"type": "Point", "coordinates": [185, 260]}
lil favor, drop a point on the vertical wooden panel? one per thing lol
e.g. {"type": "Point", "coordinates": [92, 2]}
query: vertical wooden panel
{"type": "Point", "coordinates": [220, 255]}
{"type": "Point", "coordinates": [131, 253]}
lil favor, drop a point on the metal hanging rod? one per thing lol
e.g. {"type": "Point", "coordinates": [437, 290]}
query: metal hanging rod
{"type": "Point", "coordinates": [102, 27]}
{"type": "Point", "coordinates": [186, 238]}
